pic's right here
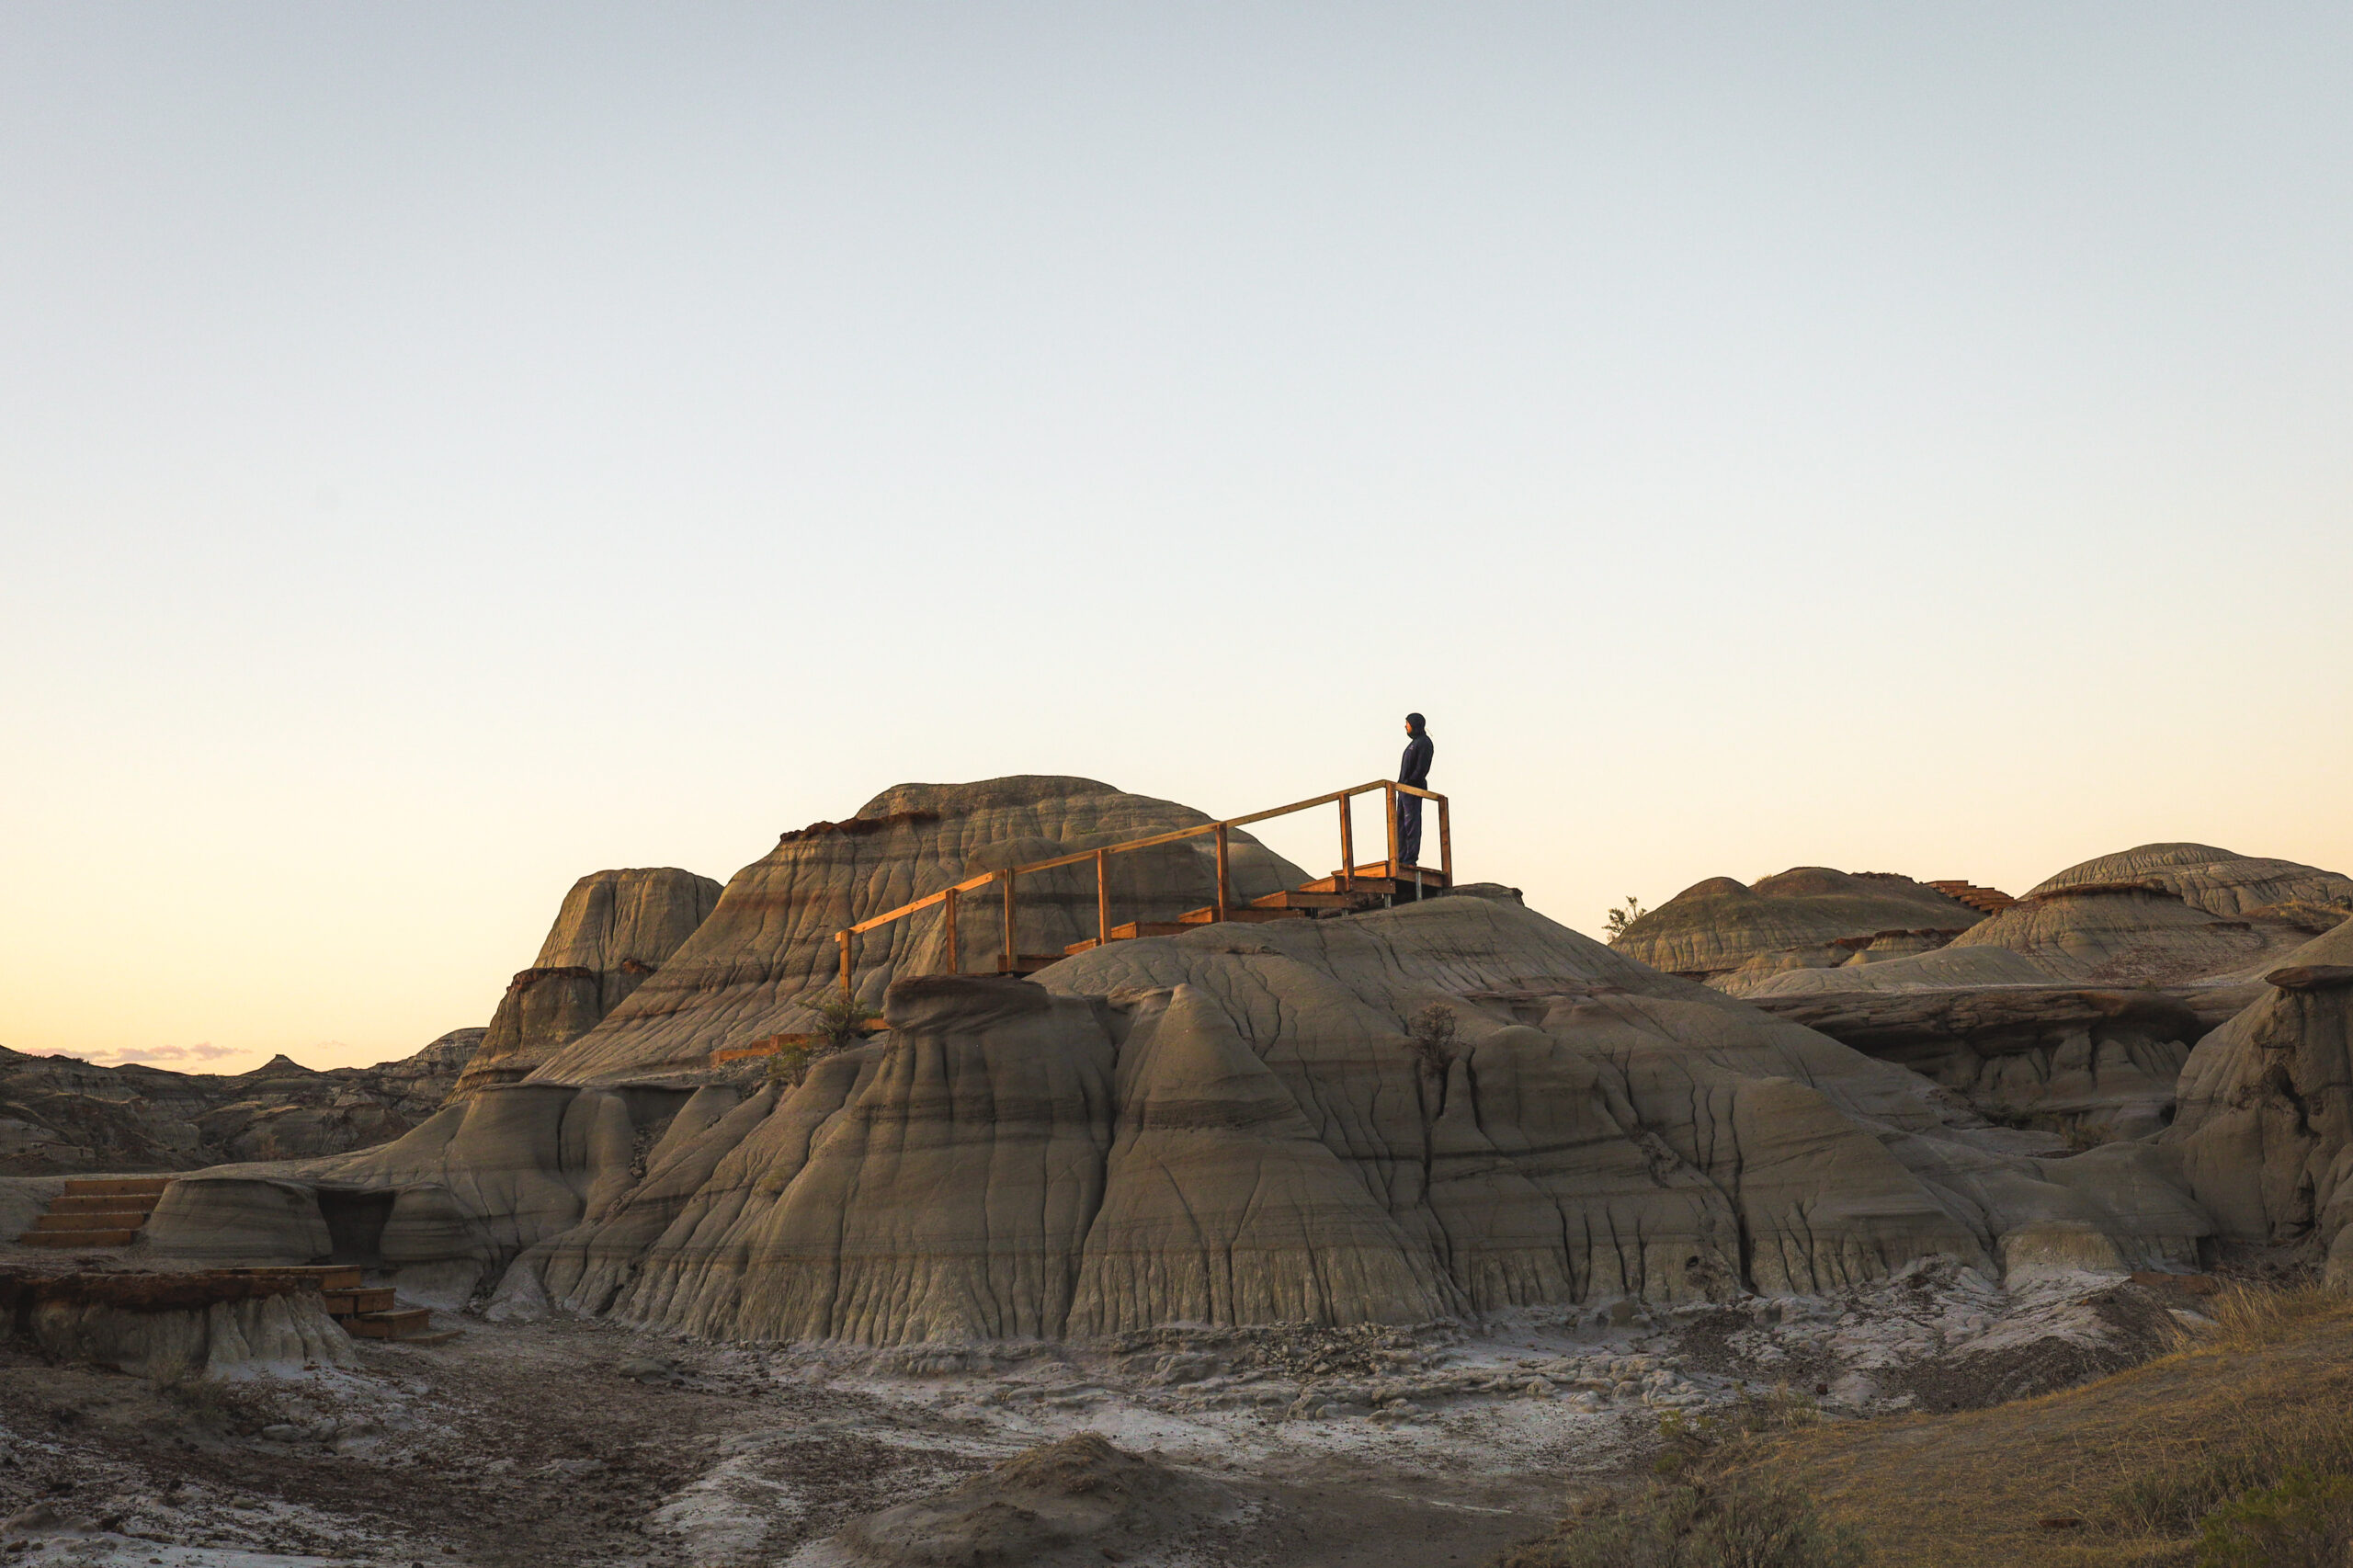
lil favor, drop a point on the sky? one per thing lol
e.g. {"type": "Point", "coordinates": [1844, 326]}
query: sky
{"type": "Point", "coordinates": [445, 449]}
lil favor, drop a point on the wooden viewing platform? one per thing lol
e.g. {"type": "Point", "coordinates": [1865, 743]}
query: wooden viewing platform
{"type": "Point", "coordinates": [1352, 887]}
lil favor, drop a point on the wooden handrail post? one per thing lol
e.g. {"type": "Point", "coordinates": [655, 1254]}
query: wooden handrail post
{"type": "Point", "coordinates": [1011, 952]}
{"type": "Point", "coordinates": [843, 938]}
{"type": "Point", "coordinates": [1445, 843]}
{"type": "Point", "coordinates": [948, 912]}
{"type": "Point", "coordinates": [1389, 799]}
{"type": "Point", "coordinates": [1348, 847]}
{"type": "Point", "coordinates": [1102, 898]}
{"type": "Point", "coordinates": [1221, 893]}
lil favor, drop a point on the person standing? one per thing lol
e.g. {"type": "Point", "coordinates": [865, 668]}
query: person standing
{"type": "Point", "coordinates": [1412, 769]}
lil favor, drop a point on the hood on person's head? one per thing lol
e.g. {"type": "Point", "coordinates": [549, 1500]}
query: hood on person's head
{"type": "Point", "coordinates": [1414, 721]}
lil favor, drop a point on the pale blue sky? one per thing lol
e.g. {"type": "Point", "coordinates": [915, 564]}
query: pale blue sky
{"type": "Point", "coordinates": [445, 449]}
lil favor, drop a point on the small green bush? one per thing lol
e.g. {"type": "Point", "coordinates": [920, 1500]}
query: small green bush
{"type": "Point", "coordinates": [1717, 1437]}
{"type": "Point", "coordinates": [842, 1022]}
{"type": "Point", "coordinates": [2306, 1521]}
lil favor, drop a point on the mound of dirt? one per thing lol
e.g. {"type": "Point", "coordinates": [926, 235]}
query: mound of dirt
{"type": "Point", "coordinates": [1056, 1505]}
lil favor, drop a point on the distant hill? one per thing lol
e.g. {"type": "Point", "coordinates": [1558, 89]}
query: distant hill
{"type": "Point", "coordinates": [60, 1115]}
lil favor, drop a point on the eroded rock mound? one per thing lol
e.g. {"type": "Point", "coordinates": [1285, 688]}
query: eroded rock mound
{"type": "Point", "coordinates": [615, 928]}
{"type": "Point", "coordinates": [1811, 917]}
{"type": "Point", "coordinates": [2264, 1128]}
{"type": "Point", "coordinates": [769, 939]}
{"type": "Point", "coordinates": [2218, 882]}
{"type": "Point", "coordinates": [1077, 1502]}
{"type": "Point", "coordinates": [1451, 1107]}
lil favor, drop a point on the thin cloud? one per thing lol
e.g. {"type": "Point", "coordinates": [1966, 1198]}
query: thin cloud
{"type": "Point", "coordinates": [149, 1055]}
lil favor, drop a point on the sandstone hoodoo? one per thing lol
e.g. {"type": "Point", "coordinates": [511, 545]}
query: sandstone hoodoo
{"type": "Point", "coordinates": [615, 929]}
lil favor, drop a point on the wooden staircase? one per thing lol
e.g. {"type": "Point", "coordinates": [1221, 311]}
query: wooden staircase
{"type": "Point", "coordinates": [366, 1312]}
{"type": "Point", "coordinates": [1352, 888]}
{"type": "Point", "coordinates": [97, 1212]}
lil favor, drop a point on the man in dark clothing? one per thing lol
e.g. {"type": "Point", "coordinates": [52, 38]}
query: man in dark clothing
{"type": "Point", "coordinates": [1412, 769]}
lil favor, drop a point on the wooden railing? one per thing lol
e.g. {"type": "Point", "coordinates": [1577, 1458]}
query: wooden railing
{"type": "Point", "coordinates": [948, 898]}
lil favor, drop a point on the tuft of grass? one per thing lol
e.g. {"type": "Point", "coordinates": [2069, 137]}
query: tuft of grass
{"type": "Point", "coordinates": [2249, 1317]}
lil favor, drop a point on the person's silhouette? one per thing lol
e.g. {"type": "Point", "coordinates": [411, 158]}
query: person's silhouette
{"type": "Point", "coordinates": [1412, 769]}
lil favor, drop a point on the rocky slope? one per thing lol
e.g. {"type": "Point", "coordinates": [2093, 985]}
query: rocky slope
{"type": "Point", "coordinates": [1237, 1125]}
{"type": "Point", "coordinates": [59, 1114]}
{"type": "Point", "coordinates": [614, 929]}
{"type": "Point", "coordinates": [770, 939]}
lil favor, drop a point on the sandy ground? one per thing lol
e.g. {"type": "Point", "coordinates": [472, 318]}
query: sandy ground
{"type": "Point", "coordinates": [566, 1441]}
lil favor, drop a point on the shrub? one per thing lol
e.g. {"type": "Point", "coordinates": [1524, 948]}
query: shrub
{"type": "Point", "coordinates": [842, 1022]}
{"type": "Point", "coordinates": [2306, 1521]}
{"type": "Point", "coordinates": [1721, 1437]}
{"type": "Point", "coordinates": [1431, 1040]}
{"type": "Point", "coordinates": [1622, 916]}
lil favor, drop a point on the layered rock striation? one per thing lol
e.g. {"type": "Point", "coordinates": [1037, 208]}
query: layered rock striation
{"type": "Point", "coordinates": [614, 929]}
{"type": "Point", "coordinates": [1445, 1108]}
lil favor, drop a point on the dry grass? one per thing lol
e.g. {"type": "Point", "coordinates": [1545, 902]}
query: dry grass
{"type": "Point", "coordinates": [2121, 1471]}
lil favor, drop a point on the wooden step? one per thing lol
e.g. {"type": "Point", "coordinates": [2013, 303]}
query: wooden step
{"type": "Point", "coordinates": [91, 1187]}
{"type": "Point", "coordinates": [1026, 963]}
{"type": "Point", "coordinates": [1077, 948]}
{"type": "Point", "coordinates": [404, 1324]}
{"type": "Point", "coordinates": [1367, 886]}
{"type": "Point", "coordinates": [1303, 898]}
{"type": "Point", "coordinates": [353, 1303]}
{"type": "Point", "coordinates": [102, 1203]}
{"type": "Point", "coordinates": [317, 1276]}
{"type": "Point", "coordinates": [76, 1238]}
{"type": "Point", "coordinates": [1134, 929]}
{"type": "Point", "coordinates": [1240, 913]}
{"type": "Point", "coordinates": [1403, 871]}
{"type": "Point", "coordinates": [90, 1222]}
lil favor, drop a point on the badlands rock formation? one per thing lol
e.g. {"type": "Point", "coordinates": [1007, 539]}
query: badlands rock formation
{"type": "Point", "coordinates": [2086, 1065]}
{"type": "Point", "coordinates": [170, 1327]}
{"type": "Point", "coordinates": [2265, 1130]}
{"type": "Point", "coordinates": [744, 972]}
{"type": "Point", "coordinates": [1243, 1124]}
{"type": "Point", "coordinates": [2074, 1012]}
{"type": "Point", "coordinates": [59, 1114]}
{"type": "Point", "coordinates": [1811, 917]}
{"type": "Point", "coordinates": [2218, 882]}
{"type": "Point", "coordinates": [615, 929]}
